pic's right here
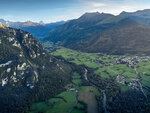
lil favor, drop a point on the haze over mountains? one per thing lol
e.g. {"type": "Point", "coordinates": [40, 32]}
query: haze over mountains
{"type": "Point", "coordinates": [100, 32]}
{"type": "Point", "coordinates": [39, 30]}
{"type": "Point", "coordinates": [96, 32]}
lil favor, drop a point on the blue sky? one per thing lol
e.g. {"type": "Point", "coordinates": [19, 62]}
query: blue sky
{"type": "Point", "coordinates": [57, 10]}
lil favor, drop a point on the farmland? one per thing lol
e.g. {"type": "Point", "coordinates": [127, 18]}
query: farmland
{"type": "Point", "coordinates": [111, 72]}
{"type": "Point", "coordinates": [69, 100]}
{"type": "Point", "coordinates": [121, 67]}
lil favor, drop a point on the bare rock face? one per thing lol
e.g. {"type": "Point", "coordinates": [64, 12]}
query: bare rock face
{"type": "Point", "coordinates": [16, 62]}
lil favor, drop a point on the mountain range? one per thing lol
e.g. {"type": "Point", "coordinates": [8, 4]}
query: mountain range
{"type": "Point", "coordinates": [39, 30]}
{"type": "Point", "coordinates": [101, 32]}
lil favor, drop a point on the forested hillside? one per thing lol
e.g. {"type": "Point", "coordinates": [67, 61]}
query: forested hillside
{"type": "Point", "coordinates": [27, 72]}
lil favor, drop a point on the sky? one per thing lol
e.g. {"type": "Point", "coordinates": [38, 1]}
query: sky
{"type": "Point", "coordinates": [57, 10]}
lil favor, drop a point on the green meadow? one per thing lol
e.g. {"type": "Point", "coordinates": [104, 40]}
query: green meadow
{"type": "Point", "coordinates": [100, 63]}
{"type": "Point", "coordinates": [62, 103]}
{"type": "Point", "coordinates": [144, 70]}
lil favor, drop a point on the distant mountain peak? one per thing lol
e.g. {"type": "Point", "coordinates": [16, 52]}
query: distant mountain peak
{"type": "Point", "coordinates": [93, 17]}
{"type": "Point", "coordinates": [93, 14]}
{"type": "Point", "coordinates": [30, 23]}
{"type": "Point", "coordinates": [41, 22]}
{"type": "Point", "coordinates": [139, 12]}
{"type": "Point", "coordinates": [123, 12]}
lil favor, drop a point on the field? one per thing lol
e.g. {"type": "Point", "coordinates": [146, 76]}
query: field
{"type": "Point", "coordinates": [78, 57]}
{"type": "Point", "coordinates": [144, 69]}
{"type": "Point", "coordinates": [79, 98]}
{"type": "Point", "coordinates": [66, 101]}
{"type": "Point", "coordinates": [105, 66]}
{"type": "Point", "coordinates": [124, 88]}
{"type": "Point", "coordinates": [89, 99]}
{"type": "Point", "coordinates": [105, 72]}
{"type": "Point", "coordinates": [91, 60]}
{"type": "Point", "coordinates": [123, 69]}
{"type": "Point", "coordinates": [86, 94]}
{"type": "Point", "coordinates": [89, 89]}
{"type": "Point", "coordinates": [62, 103]}
{"type": "Point", "coordinates": [99, 62]}
{"type": "Point", "coordinates": [76, 80]}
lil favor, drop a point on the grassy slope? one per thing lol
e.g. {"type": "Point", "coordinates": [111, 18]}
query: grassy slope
{"type": "Point", "coordinates": [61, 104]}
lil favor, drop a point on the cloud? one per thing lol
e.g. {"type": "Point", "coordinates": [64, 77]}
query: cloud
{"type": "Point", "coordinates": [114, 6]}
{"type": "Point", "coordinates": [96, 4]}
{"type": "Point", "coordinates": [107, 6]}
{"type": "Point", "coordinates": [56, 10]}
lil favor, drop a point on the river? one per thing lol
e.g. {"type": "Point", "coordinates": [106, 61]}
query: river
{"type": "Point", "coordinates": [104, 95]}
{"type": "Point", "coordinates": [104, 102]}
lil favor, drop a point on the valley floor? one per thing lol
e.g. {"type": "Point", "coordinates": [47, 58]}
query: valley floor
{"type": "Point", "coordinates": [102, 80]}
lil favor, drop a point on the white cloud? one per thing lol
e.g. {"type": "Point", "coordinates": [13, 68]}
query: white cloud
{"type": "Point", "coordinates": [113, 6]}
{"type": "Point", "coordinates": [101, 6]}
{"type": "Point", "coordinates": [72, 12]}
{"type": "Point", "coordinates": [96, 4]}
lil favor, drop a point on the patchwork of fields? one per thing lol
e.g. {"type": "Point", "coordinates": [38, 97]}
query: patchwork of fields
{"type": "Point", "coordinates": [121, 67]}
{"type": "Point", "coordinates": [127, 70]}
{"type": "Point", "coordinates": [70, 101]}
